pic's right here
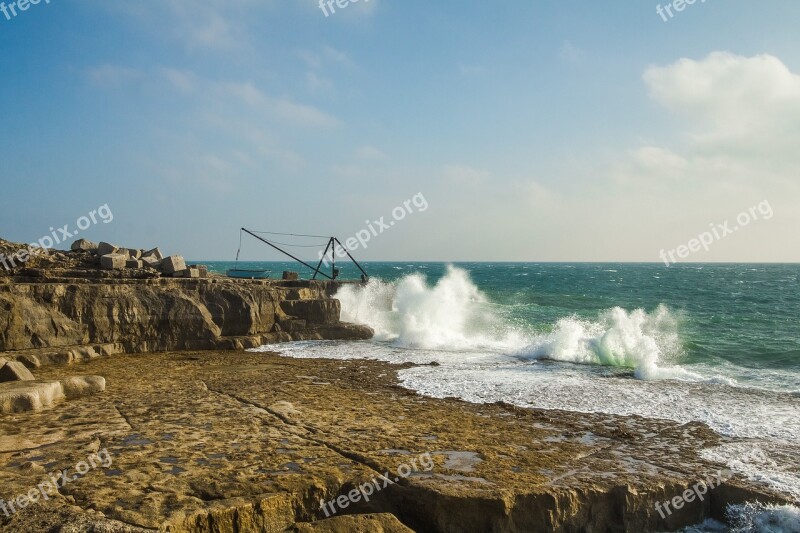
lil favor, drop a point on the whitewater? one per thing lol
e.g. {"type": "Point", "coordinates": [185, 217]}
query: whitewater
{"type": "Point", "coordinates": [617, 360]}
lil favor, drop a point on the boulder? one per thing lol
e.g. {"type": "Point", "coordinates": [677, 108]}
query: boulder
{"type": "Point", "coordinates": [15, 371]}
{"type": "Point", "coordinates": [35, 395]}
{"type": "Point", "coordinates": [172, 264]}
{"type": "Point", "coordinates": [191, 273]}
{"type": "Point", "coordinates": [155, 252]}
{"type": "Point", "coordinates": [134, 263]}
{"type": "Point", "coordinates": [151, 261]}
{"type": "Point", "coordinates": [83, 244]}
{"type": "Point", "coordinates": [29, 395]}
{"type": "Point", "coordinates": [78, 386]}
{"type": "Point", "coordinates": [131, 253]}
{"type": "Point", "coordinates": [113, 261]}
{"type": "Point", "coordinates": [287, 275]}
{"type": "Point", "coordinates": [105, 248]}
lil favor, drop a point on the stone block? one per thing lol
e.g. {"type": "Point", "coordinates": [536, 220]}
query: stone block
{"type": "Point", "coordinates": [78, 386]}
{"type": "Point", "coordinates": [288, 275]}
{"type": "Point", "coordinates": [150, 261]}
{"type": "Point", "coordinates": [201, 269]}
{"type": "Point", "coordinates": [134, 263]}
{"type": "Point", "coordinates": [105, 248]}
{"type": "Point", "coordinates": [131, 253]}
{"type": "Point", "coordinates": [83, 244]}
{"type": "Point", "coordinates": [113, 261]}
{"type": "Point", "coordinates": [172, 264]}
{"type": "Point", "coordinates": [15, 371]}
{"type": "Point", "coordinates": [155, 252]}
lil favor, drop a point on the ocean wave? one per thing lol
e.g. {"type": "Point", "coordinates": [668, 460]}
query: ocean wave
{"type": "Point", "coordinates": [757, 518]}
{"type": "Point", "coordinates": [454, 315]}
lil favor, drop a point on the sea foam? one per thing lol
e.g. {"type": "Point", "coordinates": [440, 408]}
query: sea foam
{"type": "Point", "coordinates": [454, 315]}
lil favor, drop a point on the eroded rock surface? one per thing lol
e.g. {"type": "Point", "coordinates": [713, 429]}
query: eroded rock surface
{"type": "Point", "coordinates": [167, 314]}
{"type": "Point", "coordinates": [238, 441]}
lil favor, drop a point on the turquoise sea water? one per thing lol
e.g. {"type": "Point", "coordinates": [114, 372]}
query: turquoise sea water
{"type": "Point", "coordinates": [715, 343]}
{"type": "Point", "coordinates": [726, 315]}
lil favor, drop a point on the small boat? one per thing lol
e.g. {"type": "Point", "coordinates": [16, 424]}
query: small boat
{"type": "Point", "coordinates": [240, 273]}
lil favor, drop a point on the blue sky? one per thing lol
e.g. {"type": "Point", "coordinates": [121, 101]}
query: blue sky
{"type": "Point", "coordinates": [536, 130]}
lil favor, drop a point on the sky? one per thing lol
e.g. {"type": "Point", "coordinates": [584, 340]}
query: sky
{"type": "Point", "coordinates": [534, 130]}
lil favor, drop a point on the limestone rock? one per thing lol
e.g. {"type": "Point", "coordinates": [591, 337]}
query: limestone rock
{"type": "Point", "coordinates": [155, 253]}
{"type": "Point", "coordinates": [83, 244]}
{"type": "Point", "coordinates": [77, 386]}
{"type": "Point", "coordinates": [113, 261]}
{"type": "Point", "coordinates": [71, 319]}
{"type": "Point", "coordinates": [313, 311]}
{"type": "Point", "coordinates": [134, 263]}
{"type": "Point", "coordinates": [131, 253]}
{"type": "Point", "coordinates": [372, 523]}
{"type": "Point", "coordinates": [21, 396]}
{"type": "Point", "coordinates": [151, 261]}
{"type": "Point", "coordinates": [202, 270]}
{"type": "Point", "coordinates": [15, 371]}
{"type": "Point", "coordinates": [105, 248]}
{"type": "Point", "coordinates": [288, 275]}
{"type": "Point", "coordinates": [172, 264]}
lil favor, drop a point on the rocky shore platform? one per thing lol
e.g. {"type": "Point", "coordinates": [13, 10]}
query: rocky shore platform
{"type": "Point", "coordinates": [238, 441]}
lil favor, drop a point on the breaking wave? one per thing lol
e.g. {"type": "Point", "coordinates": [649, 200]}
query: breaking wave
{"type": "Point", "coordinates": [453, 315]}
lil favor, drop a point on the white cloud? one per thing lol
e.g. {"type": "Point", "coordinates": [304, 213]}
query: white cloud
{"type": "Point", "coordinates": [734, 105]}
{"type": "Point", "coordinates": [183, 80]}
{"type": "Point", "coordinates": [284, 109]}
{"type": "Point", "coordinates": [219, 25]}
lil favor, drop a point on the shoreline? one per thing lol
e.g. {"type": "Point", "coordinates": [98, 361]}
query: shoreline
{"type": "Point", "coordinates": [205, 441]}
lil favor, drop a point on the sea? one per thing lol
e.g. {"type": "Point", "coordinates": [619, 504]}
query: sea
{"type": "Point", "coordinates": [715, 343]}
